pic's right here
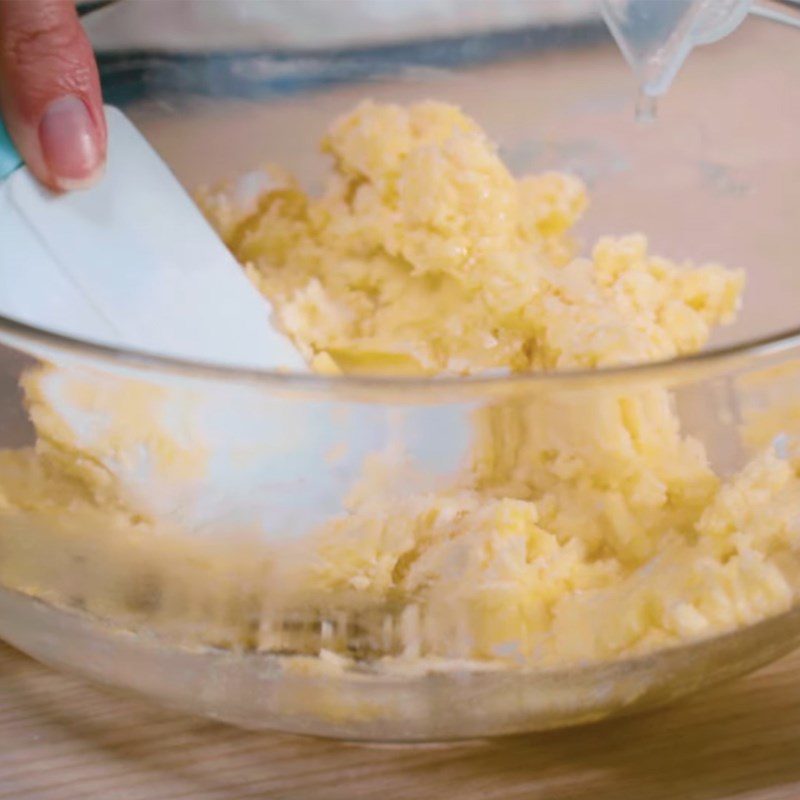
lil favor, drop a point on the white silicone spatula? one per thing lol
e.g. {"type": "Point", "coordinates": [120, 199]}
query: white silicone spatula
{"type": "Point", "coordinates": [130, 262]}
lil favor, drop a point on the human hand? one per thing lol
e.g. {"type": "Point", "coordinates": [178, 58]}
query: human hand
{"type": "Point", "coordinates": [50, 97]}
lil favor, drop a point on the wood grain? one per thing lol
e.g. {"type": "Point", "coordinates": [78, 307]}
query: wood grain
{"type": "Point", "coordinates": [62, 739]}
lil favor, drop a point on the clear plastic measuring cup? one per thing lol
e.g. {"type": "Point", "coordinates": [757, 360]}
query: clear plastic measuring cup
{"type": "Point", "coordinates": [655, 36]}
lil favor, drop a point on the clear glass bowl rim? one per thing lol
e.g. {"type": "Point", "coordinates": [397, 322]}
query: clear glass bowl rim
{"type": "Point", "coordinates": [712, 362]}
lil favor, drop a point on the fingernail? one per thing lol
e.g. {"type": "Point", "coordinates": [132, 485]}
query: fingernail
{"type": "Point", "coordinates": [70, 143]}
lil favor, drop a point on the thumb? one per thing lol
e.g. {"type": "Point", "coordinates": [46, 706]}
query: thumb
{"type": "Point", "coordinates": [50, 92]}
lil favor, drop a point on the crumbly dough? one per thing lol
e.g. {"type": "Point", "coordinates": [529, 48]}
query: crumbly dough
{"type": "Point", "coordinates": [586, 525]}
{"type": "Point", "coordinates": [424, 254]}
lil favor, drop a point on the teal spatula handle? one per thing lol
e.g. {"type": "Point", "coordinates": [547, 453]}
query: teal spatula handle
{"type": "Point", "coordinates": [9, 157]}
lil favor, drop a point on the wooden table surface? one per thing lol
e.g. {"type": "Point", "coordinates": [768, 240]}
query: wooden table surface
{"type": "Point", "coordinates": [62, 739]}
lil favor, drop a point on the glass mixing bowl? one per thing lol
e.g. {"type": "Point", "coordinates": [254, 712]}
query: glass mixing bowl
{"type": "Point", "coordinates": [235, 605]}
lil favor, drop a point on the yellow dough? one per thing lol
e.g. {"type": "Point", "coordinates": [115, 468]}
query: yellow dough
{"type": "Point", "coordinates": [586, 526]}
{"type": "Point", "coordinates": [424, 254]}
